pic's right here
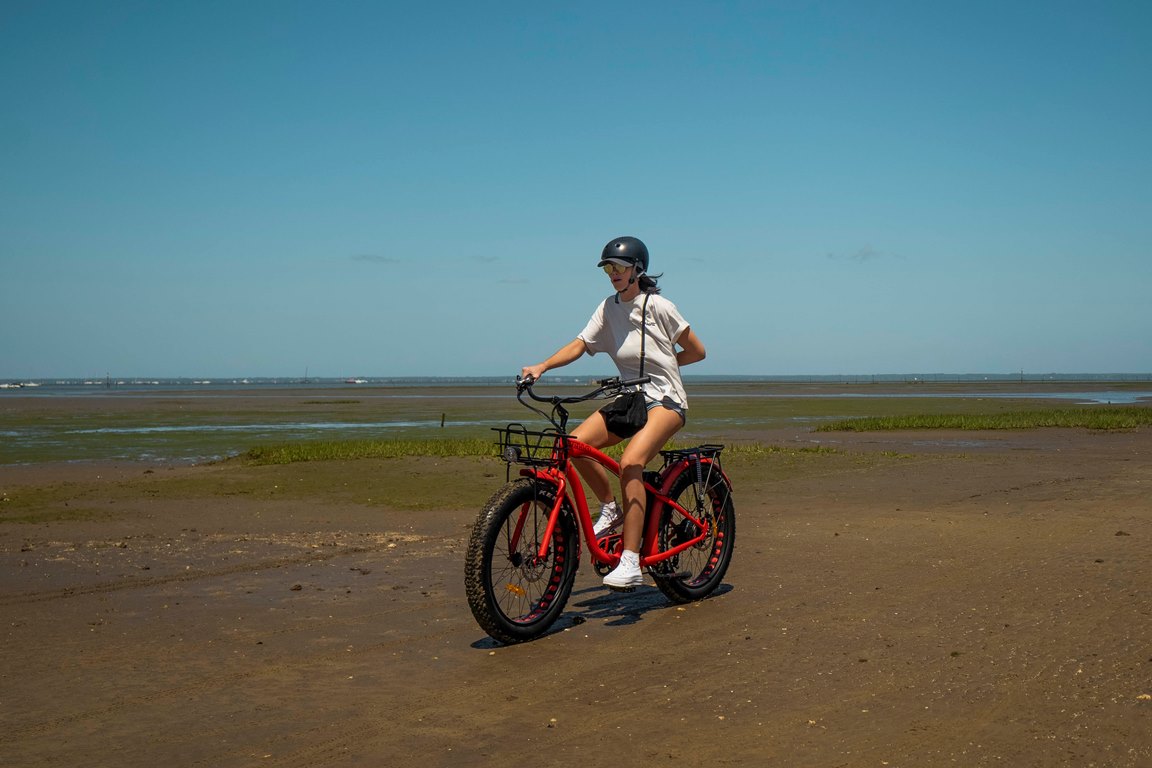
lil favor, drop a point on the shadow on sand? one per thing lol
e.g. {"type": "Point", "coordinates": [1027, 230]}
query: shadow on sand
{"type": "Point", "coordinates": [614, 609]}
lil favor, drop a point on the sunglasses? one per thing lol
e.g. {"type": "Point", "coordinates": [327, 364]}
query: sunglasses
{"type": "Point", "coordinates": [616, 269]}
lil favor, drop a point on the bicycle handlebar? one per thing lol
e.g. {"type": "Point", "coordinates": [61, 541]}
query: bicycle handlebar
{"type": "Point", "coordinates": [611, 385]}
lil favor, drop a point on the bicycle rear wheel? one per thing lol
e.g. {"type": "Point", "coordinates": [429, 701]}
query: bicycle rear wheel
{"type": "Point", "coordinates": [697, 571]}
{"type": "Point", "coordinates": [514, 593]}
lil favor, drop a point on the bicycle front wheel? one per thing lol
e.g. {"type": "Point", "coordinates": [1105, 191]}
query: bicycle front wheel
{"type": "Point", "coordinates": [516, 592]}
{"type": "Point", "coordinates": [697, 571]}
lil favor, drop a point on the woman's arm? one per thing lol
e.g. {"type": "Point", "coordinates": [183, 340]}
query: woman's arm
{"type": "Point", "coordinates": [692, 349]}
{"type": "Point", "coordinates": [568, 353]}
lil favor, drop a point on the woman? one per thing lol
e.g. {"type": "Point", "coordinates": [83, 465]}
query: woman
{"type": "Point", "coordinates": [615, 328]}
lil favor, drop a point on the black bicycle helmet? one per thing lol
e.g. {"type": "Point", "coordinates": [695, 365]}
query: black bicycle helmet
{"type": "Point", "coordinates": [626, 250]}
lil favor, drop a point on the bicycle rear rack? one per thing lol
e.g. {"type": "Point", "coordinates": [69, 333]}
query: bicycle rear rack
{"type": "Point", "coordinates": [707, 451]}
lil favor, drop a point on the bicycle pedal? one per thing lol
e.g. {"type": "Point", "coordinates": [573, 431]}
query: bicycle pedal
{"type": "Point", "coordinates": [621, 589]}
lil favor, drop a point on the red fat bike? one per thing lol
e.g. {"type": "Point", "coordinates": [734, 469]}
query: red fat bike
{"type": "Point", "coordinates": [525, 546]}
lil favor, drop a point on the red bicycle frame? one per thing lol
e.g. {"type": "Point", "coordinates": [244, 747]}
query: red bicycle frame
{"type": "Point", "coordinates": [565, 478]}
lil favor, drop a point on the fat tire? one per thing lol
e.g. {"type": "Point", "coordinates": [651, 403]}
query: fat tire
{"type": "Point", "coordinates": [698, 571]}
{"type": "Point", "coordinates": [512, 597]}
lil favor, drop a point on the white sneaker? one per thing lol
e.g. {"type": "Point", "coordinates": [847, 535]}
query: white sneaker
{"type": "Point", "coordinates": [627, 575]}
{"type": "Point", "coordinates": [610, 518]}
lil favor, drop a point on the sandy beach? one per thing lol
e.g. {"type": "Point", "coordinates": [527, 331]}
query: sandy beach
{"type": "Point", "coordinates": [911, 599]}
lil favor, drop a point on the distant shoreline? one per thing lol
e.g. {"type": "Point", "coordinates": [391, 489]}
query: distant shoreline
{"type": "Point", "coordinates": [82, 385]}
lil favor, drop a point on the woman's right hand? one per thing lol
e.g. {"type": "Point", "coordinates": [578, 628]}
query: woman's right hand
{"type": "Point", "coordinates": [533, 371]}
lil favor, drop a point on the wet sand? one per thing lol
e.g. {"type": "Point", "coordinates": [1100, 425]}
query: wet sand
{"type": "Point", "coordinates": [913, 599]}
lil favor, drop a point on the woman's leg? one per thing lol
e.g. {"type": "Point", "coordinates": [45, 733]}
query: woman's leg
{"type": "Point", "coordinates": [662, 424]}
{"type": "Point", "coordinates": [594, 432]}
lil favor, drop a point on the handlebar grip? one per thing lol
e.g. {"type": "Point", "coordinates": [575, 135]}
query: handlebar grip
{"type": "Point", "coordinates": [614, 381]}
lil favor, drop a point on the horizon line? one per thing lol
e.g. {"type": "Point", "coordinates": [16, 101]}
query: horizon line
{"type": "Point", "coordinates": [368, 378]}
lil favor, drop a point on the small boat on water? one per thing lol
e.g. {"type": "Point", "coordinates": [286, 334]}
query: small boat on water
{"type": "Point", "coordinates": [355, 381]}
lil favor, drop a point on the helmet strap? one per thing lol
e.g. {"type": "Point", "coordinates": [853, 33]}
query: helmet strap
{"type": "Point", "coordinates": [636, 275]}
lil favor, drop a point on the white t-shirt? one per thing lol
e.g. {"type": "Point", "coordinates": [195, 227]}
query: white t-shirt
{"type": "Point", "coordinates": [615, 328]}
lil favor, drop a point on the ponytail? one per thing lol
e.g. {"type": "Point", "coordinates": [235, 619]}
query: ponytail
{"type": "Point", "coordinates": [648, 283]}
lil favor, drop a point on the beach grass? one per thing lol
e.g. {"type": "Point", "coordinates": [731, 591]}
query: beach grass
{"type": "Point", "coordinates": [1103, 418]}
{"type": "Point", "coordinates": [344, 450]}
{"type": "Point", "coordinates": [1100, 418]}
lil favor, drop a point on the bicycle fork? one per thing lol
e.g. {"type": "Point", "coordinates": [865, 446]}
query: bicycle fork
{"type": "Point", "coordinates": [544, 542]}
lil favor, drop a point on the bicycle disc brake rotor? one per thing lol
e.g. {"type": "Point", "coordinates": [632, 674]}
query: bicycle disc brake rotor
{"type": "Point", "coordinates": [532, 567]}
{"type": "Point", "coordinates": [681, 532]}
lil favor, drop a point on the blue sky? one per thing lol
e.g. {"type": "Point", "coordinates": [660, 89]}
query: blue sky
{"type": "Point", "coordinates": [403, 189]}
